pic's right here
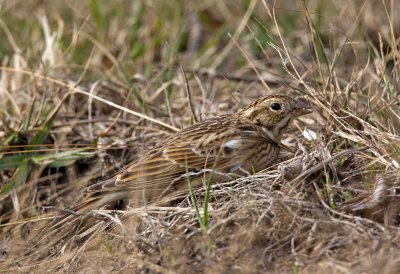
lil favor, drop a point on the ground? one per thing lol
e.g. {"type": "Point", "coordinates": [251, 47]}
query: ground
{"type": "Point", "coordinates": [88, 86]}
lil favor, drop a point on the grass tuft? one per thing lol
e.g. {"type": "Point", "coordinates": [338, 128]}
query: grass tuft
{"type": "Point", "coordinates": [88, 86]}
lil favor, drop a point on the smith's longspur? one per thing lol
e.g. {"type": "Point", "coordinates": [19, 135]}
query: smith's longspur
{"type": "Point", "coordinates": [214, 149]}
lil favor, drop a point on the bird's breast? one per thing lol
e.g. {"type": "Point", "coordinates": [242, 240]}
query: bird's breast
{"type": "Point", "coordinates": [250, 154]}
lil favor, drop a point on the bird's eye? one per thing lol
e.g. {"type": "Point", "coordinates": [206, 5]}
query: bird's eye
{"type": "Point", "coordinates": [275, 106]}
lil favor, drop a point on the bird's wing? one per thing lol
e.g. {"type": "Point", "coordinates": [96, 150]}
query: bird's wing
{"type": "Point", "coordinates": [194, 152]}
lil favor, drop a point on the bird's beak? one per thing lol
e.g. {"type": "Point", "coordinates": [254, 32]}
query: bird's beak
{"type": "Point", "coordinates": [301, 107]}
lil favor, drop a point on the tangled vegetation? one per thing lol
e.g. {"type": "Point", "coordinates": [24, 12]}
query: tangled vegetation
{"type": "Point", "coordinates": [87, 86]}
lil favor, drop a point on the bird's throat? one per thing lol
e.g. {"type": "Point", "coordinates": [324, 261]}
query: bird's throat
{"type": "Point", "coordinates": [275, 132]}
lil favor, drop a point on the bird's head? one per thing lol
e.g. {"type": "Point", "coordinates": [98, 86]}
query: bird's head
{"type": "Point", "coordinates": [273, 113]}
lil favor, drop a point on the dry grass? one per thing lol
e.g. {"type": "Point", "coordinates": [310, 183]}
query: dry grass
{"type": "Point", "coordinates": [87, 86]}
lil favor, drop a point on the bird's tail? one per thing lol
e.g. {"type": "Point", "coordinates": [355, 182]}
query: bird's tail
{"type": "Point", "coordinates": [73, 227]}
{"type": "Point", "coordinates": [65, 232]}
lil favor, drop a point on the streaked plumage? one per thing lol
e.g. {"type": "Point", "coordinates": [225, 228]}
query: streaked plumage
{"type": "Point", "coordinates": [217, 149]}
{"type": "Point", "coordinates": [232, 144]}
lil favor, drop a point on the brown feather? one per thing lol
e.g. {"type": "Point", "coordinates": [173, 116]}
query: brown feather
{"type": "Point", "coordinates": [233, 144]}
{"type": "Point", "coordinates": [245, 141]}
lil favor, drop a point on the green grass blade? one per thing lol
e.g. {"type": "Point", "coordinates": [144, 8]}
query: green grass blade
{"type": "Point", "coordinates": [194, 201]}
{"type": "Point", "coordinates": [61, 159]}
{"type": "Point", "coordinates": [19, 177]}
{"type": "Point", "coordinates": [21, 174]}
{"type": "Point", "coordinates": [11, 162]}
{"type": "Point", "coordinates": [42, 134]}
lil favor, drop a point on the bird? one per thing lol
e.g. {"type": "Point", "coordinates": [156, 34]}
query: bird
{"type": "Point", "coordinates": [216, 149]}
